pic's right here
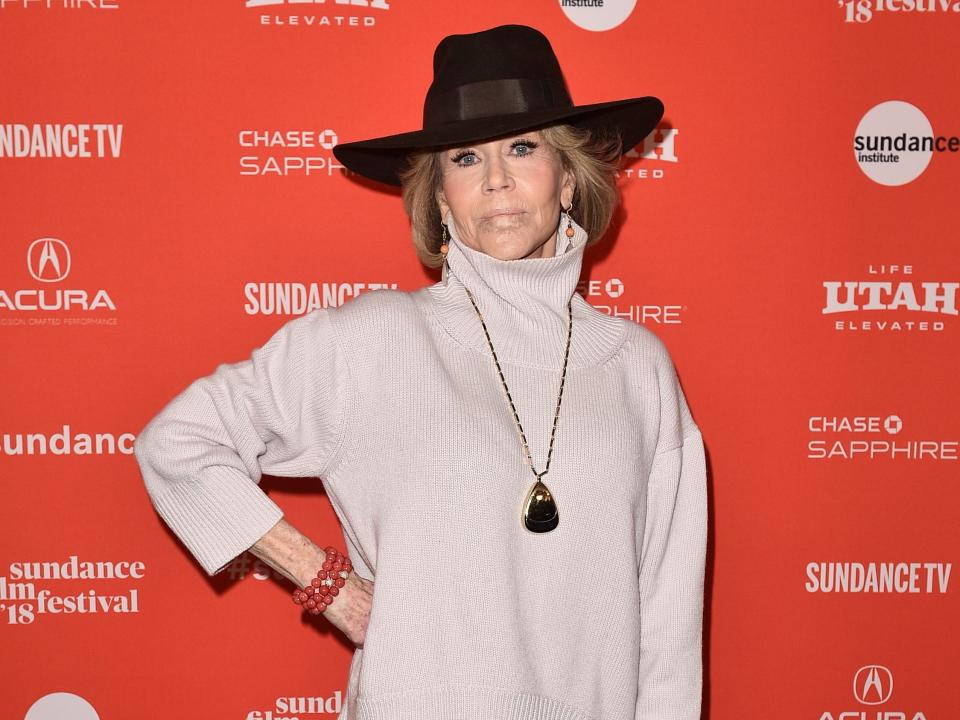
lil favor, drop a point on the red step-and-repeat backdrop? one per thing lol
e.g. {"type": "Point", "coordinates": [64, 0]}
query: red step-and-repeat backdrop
{"type": "Point", "coordinates": [790, 230]}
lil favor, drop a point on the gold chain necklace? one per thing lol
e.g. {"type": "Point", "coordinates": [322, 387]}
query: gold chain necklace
{"type": "Point", "coordinates": [539, 511]}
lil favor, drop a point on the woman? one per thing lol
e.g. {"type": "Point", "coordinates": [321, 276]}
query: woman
{"type": "Point", "coordinates": [433, 417]}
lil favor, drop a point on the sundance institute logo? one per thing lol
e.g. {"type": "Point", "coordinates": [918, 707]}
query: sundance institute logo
{"type": "Point", "coordinates": [895, 142]}
{"type": "Point", "coordinates": [597, 15]}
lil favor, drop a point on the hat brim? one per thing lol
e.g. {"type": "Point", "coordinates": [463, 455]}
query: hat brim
{"type": "Point", "coordinates": [382, 158]}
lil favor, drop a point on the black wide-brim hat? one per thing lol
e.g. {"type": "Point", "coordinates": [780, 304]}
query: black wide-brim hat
{"type": "Point", "coordinates": [492, 83]}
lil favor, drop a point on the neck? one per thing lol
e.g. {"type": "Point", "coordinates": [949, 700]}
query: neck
{"type": "Point", "coordinates": [524, 304]}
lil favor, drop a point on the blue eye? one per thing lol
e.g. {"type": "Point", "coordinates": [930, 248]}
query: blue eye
{"type": "Point", "coordinates": [527, 147]}
{"type": "Point", "coordinates": [460, 155]}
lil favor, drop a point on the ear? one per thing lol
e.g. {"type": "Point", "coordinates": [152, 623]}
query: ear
{"type": "Point", "coordinates": [567, 188]}
{"type": "Point", "coordinates": [442, 203]}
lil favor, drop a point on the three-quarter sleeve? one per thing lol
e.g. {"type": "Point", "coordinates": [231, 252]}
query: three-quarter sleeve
{"type": "Point", "coordinates": [280, 412]}
{"type": "Point", "coordinates": [672, 566]}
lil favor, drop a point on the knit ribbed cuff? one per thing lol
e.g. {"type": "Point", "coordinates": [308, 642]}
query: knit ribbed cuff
{"type": "Point", "coordinates": [467, 703]}
{"type": "Point", "coordinates": [218, 516]}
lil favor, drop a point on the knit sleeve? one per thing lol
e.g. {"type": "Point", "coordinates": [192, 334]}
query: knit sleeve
{"type": "Point", "coordinates": [280, 412]}
{"type": "Point", "coordinates": [672, 566]}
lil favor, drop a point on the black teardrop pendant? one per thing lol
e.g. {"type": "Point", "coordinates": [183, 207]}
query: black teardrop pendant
{"type": "Point", "coordinates": [540, 512]}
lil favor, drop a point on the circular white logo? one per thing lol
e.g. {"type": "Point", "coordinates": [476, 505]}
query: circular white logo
{"type": "Point", "coordinates": [614, 287]}
{"type": "Point", "coordinates": [883, 142]}
{"type": "Point", "coordinates": [61, 706]}
{"type": "Point", "coordinates": [893, 424]}
{"type": "Point", "coordinates": [597, 15]}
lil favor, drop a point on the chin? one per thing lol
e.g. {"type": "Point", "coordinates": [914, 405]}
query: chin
{"type": "Point", "coordinates": [509, 248]}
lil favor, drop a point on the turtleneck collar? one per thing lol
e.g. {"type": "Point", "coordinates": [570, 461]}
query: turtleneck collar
{"type": "Point", "coordinates": [524, 305]}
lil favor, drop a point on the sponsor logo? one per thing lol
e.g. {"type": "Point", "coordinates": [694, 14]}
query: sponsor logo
{"type": "Point", "coordinates": [597, 15]}
{"type": "Point", "coordinates": [52, 140]}
{"type": "Point", "coordinates": [22, 603]}
{"type": "Point", "coordinates": [604, 296]}
{"type": "Point", "coordinates": [903, 303]}
{"type": "Point", "coordinates": [291, 298]}
{"type": "Point", "coordinates": [865, 438]}
{"type": "Point", "coordinates": [894, 142]}
{"type": "Point", "coordinates": [883, 577]}
{"type": "Point", "coordinates": [60, 4]}
{"type": "Point", "coordinates": [59, 705]}
{"type": "Point", "coordinates": [862, 11]}
{"type": "Point", "coordinates": [49, 261]}
{"type": "Point", "coordinates": [288, 152]}
{"type": "Point", "coordinates": [652, 149]}
{"type": "Point", "coordinates": [319, 13]}
{"type": "Point", "coordinates": [873, 686]}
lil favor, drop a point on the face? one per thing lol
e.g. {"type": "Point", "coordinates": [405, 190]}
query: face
{"type": "Point", "coordinates": [505, 195]}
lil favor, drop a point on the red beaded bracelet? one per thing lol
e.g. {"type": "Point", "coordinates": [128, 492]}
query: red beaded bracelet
{"type": "Point", "coordinates": [322, 589]}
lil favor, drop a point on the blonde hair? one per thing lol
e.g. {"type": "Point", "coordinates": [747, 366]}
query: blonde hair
{"type": "Point", "coordinates": [592, 156]}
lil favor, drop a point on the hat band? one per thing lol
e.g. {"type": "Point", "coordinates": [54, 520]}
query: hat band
{"type": "Point", "coordinates": [489, 98]}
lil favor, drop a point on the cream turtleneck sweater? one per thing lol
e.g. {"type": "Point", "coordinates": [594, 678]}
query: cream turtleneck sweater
{"type": "Point", "coordinates": [393, 399]}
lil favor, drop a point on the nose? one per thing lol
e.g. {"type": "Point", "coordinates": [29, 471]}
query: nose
{"type": "Point", "coordinates": [497, 175]}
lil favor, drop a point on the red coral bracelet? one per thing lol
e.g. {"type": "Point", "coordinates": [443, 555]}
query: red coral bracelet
{"type": "Point", "coordinates": [322, 589]}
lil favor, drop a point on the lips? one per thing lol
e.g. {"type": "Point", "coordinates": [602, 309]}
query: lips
{"type": "Point", "coordinates": [504, 211]}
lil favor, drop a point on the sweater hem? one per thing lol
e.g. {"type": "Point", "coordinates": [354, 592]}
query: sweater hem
{"type": "Point", "coordinates": [465, 702]}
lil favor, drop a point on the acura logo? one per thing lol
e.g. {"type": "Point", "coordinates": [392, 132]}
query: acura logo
{"type": "Point", "coordinates": [48, 260]}
{"type": "Point", "coordinates": [873, 684]}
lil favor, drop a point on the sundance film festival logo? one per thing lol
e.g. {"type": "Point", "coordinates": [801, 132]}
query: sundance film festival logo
{"type": "Point", "coordinates": [651, 149]}
{"type": "Point", "coordinates": [597, 15]}
{"type": "Point", "coordinates": [605, 296]}
{"type": "Point", "coordinates": [873, 687]}
{"type": "Point", "coordinates": [878, 577]}
{"type": "Point", "coordinates": [895, 142]}
{"type": "Point", "coordinates": [862, 11]}
{"type": "Point", "coordinates": [294, 708]}
{"type": "Point", "coordinates": [292, 298]}
{"type": "Point", "coordinates": [48, 264]}
{"type": "Point", "coordinates": [30, 590]}
{"type": "Point", "coordinates": [890, 299]}
{"type": "Point", "coordinates": [319, 13]}
{"type": "Point", "coordinates": [52, 140]}
{"type": "Point", "coordinates": [288, 152]}
{"type": "Point", "coordinates": [866, 438]}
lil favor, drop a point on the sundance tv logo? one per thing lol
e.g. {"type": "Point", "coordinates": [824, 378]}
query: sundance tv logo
{"type": "Point", "coordinates": [604, 296]}
{"type": "Point", "coordinates": [319, 13]}
{"type": "Point", "coordinates": [862, 11]}
{"type": "Point", "coordinates": [878, 577]}
{"type": "Point", "coordinates": [52, 140]}
{"type": "Point", "coordinates": [870, 438]}
{"type": "Point", "coordinates": [873, 686]}
{"type": "Point", "coordinates": [292, 298]}
{"type": "Point", "coordinates": [895, 142]}
{"type": "Point", "coordinates": [49, 261]}
{"type": "Point", "coordinates": [890, 299]}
